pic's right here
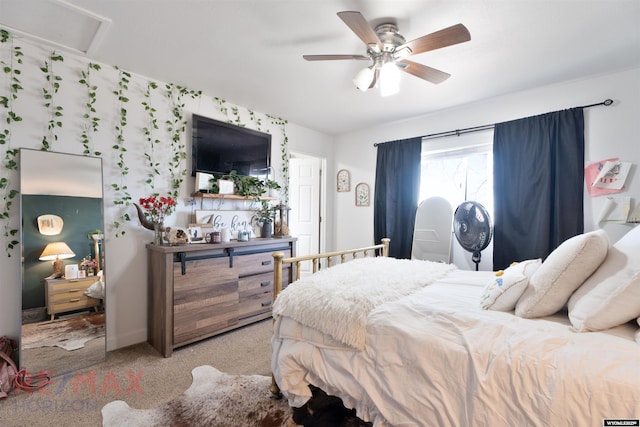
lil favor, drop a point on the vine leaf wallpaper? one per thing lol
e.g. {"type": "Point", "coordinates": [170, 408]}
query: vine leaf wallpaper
{"type": "Point", "coordinates": [132, 122]}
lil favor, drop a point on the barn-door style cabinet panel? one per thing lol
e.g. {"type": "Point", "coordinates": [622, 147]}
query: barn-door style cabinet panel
{"type": "Point", "coordinates": [200, 290]}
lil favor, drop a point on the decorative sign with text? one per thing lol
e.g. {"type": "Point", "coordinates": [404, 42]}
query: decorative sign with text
{"type": "Point", "coordinates": [232, 220]}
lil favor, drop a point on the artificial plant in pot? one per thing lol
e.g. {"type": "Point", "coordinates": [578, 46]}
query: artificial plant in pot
{"type": "Point", "coordinates": [248, 186]}
{"type": "Point", "coordinates": [231, 176]}
{"type": "Point", "coordinates": [264, 218]}
{"type": "Point", "coordinates": [272, 186]}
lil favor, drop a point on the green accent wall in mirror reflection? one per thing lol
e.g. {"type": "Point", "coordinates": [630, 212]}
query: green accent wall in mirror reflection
{"type": "Point", "coordinates": [79, 216]}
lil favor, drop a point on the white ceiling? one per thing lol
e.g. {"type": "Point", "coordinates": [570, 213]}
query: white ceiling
{"type": "Point", "coordinates": [249, 52]}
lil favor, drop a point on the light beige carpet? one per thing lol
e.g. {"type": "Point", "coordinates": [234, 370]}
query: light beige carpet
{"type": "Point", "coordinates": [213, 399]}
{"type": "Point", "coordinates": [140, 376]}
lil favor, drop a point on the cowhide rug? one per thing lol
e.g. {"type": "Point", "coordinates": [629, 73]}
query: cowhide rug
{"type": "Point", "coordinates": [213, 399]}
{"type": "Point", "coordinates": [222, 400]}
{"type": "Point", "coordinates": [69, 334]}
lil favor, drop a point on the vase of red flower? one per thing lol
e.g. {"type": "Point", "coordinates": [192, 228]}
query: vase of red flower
{"type": "Point", "coordinates": [158, 233]}
{"type": "Point", "coordinates": [156, 209]}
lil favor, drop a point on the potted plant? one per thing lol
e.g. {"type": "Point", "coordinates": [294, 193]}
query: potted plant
{"type": "Point", "coordinates": [248, 186]}
{"type": "Point", "coordinates": [216, 178]}
{"type": "Point", "coordinates": [95, 235]}
{"type": "Point", "coordinates": [272, 186]}
{"type": "Point", "coordinates": [264, 218]}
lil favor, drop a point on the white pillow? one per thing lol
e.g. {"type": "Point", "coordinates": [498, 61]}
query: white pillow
{"type": "Point", "coordinates": [564, 270]}
{"type": "Point", "coordinates": [611, 296]}
{"type": "Point", "coordinates": [505, 288]}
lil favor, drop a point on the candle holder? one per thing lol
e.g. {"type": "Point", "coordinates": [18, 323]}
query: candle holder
{"type": "Point", "coordinates": [281, 224]}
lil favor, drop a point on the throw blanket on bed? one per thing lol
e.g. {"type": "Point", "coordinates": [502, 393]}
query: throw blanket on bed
{"type": "Point", "coordinates": [338, 300]}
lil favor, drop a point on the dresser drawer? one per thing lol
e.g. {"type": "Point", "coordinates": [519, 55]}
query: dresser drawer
{"type": "Point", "coordinates": [256, 284]}
{"type": "Point", "coordinates": [256, 263]}
{"type": "Point", "coordinates": [256, 294]}
{"type": "Point", "coordinates": [255, 304]}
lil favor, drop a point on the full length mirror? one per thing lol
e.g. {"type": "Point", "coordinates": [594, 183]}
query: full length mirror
{"type": "Point", "coordinates": [63, 281]}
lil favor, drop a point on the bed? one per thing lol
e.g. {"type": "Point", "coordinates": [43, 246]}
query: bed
{"type": "Point", "coordinates": [419, 343]}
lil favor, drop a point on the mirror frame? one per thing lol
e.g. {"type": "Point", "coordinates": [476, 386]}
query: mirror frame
{"type": "Point", "coordinates": [59, 178]}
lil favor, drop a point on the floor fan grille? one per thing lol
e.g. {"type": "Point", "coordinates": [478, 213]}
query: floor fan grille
{"type": "Point", "coordinates": [472, 228]}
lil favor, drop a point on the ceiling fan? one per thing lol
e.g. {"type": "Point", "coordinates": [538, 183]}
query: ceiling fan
{"type": "Point", "coordinates": [388, 50]}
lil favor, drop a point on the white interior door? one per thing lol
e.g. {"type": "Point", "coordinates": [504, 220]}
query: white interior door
{"type": "Point", "coordinates": [304, 196]}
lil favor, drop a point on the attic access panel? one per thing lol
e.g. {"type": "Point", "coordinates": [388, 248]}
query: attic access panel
{"type": "Point", "coordinates": [54, 22]}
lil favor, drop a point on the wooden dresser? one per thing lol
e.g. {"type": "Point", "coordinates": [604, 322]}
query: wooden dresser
{"type": "Point", "coordinates": [62, 295]}
{"type": "Point", "coordinates": [200, 290]}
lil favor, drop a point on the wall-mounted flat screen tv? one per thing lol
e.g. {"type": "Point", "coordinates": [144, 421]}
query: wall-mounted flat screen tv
{"type": "Point", "coordinates": [219, 147]}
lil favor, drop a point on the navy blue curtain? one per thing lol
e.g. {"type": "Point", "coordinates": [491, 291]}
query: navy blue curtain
{"type": "Point", "coordinates": [397, 190]}
{"type": "Point", "coordinates": [538, 172]}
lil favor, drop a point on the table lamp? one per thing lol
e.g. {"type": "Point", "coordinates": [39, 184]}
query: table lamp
{"type": "Point", "coordinates": [56, 252]}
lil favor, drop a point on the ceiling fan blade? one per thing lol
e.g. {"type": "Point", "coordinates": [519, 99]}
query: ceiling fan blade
{"type": "Point", "coordinates": [356, 22]}
{"type": "Point", "coordinates": [333, 57]}
{"type": "Point", "coordinates": [446, 37]}
{"type": "Point", "coordinates": [422, 71]}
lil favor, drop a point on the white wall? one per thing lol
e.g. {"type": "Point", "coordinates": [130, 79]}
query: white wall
{"type": "Point", "coordinates": [609, 132]}
{"type": "Point", "coordinates": [126, 257]}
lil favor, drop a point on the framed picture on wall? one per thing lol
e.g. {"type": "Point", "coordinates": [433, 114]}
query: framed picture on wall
{"type": "Point", "coordinates": [344, 180]}
{"type": "Point", "coordinates": [362, 194]}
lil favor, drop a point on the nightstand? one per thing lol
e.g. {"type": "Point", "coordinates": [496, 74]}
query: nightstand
{"type": "Point", "coordinates": [62, 295]}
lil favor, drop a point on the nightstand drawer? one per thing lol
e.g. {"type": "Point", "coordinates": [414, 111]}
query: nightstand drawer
{"type": "Point", "coordinates": [68, 295]}
{"type": "Point", "coordinates": [63, 286]}
{"type": "Point", "coordinates": [74, 304]}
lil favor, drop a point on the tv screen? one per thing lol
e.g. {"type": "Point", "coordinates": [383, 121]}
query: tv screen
{"type": "Point", "coordinates": [219, 147]}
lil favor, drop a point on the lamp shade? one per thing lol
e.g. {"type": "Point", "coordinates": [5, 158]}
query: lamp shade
{"type": "Point", "coordinates": [363, 79]}
{"type": "Point", "coordinates": [56, 250]}
{"type": "Point", "coordinates": [389, 80]}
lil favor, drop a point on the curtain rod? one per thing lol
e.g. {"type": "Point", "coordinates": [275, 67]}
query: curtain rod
{"type": "Point", "coordinates": [459, 132]}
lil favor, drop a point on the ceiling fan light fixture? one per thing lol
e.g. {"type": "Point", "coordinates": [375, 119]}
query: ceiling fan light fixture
{"type": "Point", "coordinates": [402, 53]}
{"type": "Point", "coordinates": [388, 49]}
{"type": "Point", "coordinates": [363, 79]}
{"type": "Point", "coordinates": [389, 81]}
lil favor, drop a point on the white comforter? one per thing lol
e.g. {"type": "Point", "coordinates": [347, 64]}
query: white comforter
{"type": "Point", "coordinates": [434, 358]}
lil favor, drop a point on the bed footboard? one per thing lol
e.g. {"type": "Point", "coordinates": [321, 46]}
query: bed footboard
{"type": "Point", "coordinates": [329, 259]}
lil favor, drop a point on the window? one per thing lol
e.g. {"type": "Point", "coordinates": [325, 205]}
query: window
{"type": "Point", "coordinates": [459, 168]}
